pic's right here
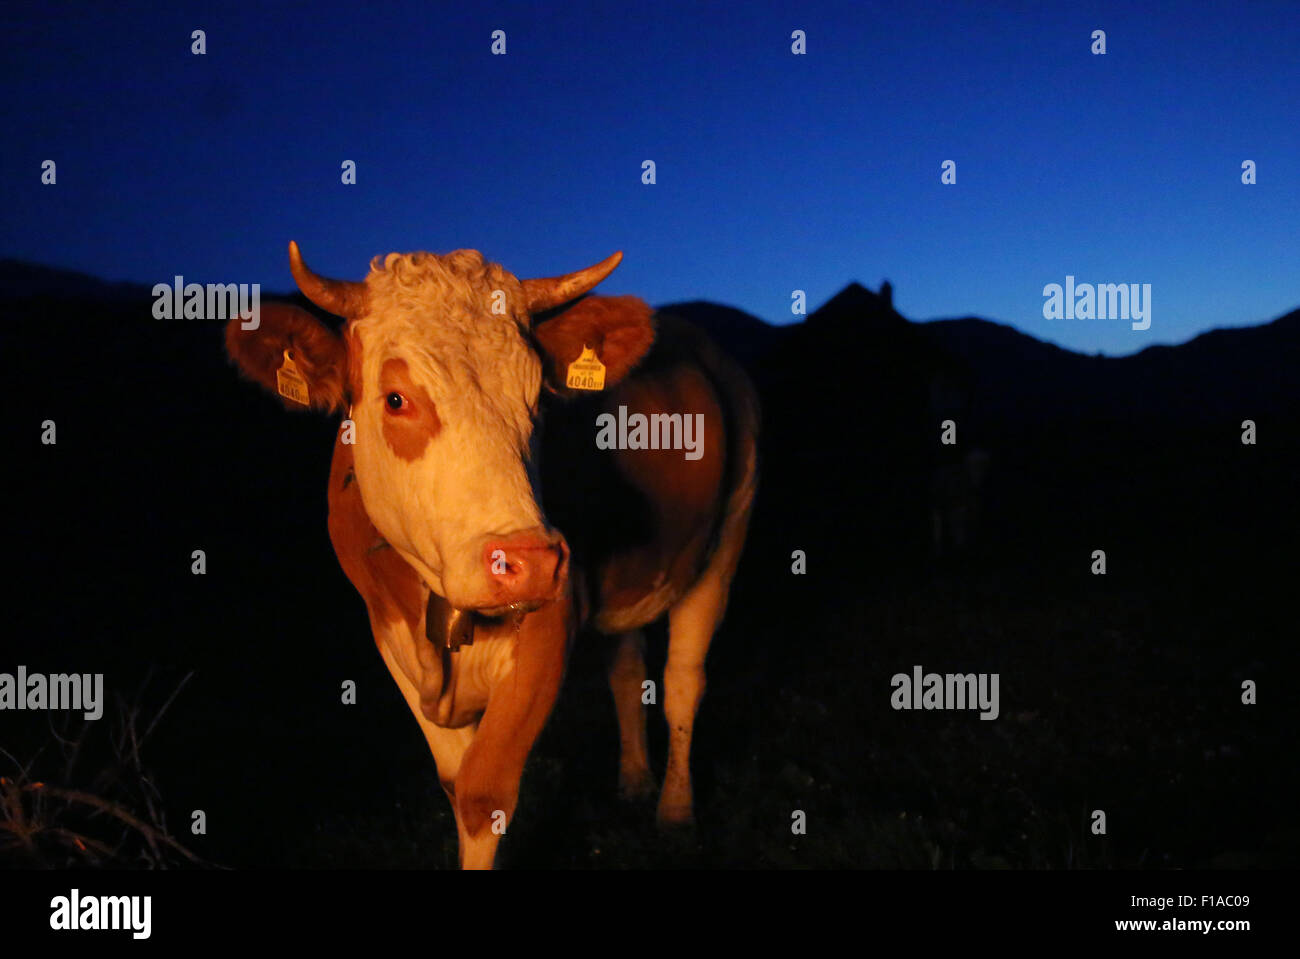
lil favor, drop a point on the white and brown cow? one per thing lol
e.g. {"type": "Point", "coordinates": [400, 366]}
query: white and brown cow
{"type": "Point", "coordinates": [480, 541]}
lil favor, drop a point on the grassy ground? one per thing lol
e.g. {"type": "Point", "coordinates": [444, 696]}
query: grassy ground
{"type": "Point", "coordinates": [1111, 700]}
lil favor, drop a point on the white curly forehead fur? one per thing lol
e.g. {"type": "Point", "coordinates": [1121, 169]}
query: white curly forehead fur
{"type": "Point", "coordinates": [436, 312]}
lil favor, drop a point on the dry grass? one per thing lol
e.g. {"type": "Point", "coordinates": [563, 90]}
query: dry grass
{"type": "Point", "coordinates": [98, 805]}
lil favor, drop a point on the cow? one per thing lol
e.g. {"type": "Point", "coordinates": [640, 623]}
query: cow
{"type": "Point", "coordinates": [473, 508]}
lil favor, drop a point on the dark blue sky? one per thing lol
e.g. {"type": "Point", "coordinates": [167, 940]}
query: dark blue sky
{"type": "Point", "coordinates": [775, 171]}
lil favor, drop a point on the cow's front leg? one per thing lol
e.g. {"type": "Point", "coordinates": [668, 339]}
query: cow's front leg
{"type": "Point", "coordinates": [447, 745]}
{"type": "Point", "coordinates": [487, 786]}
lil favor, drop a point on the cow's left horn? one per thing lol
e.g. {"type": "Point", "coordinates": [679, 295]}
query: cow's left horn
{"type": "Point", "coordinates": [555, 290]}
{"type": "Point", "coordinates": [340, 297]}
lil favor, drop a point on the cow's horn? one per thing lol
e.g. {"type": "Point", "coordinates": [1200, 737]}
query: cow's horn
{"type": "Point", "coordinates": [554, 290]}
{"type": "Point", "coordinates": [340, 297]}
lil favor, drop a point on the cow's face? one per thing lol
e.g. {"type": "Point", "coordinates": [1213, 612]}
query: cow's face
{"type": "Point", "coordinates": [442, 371]}
{"type": "Point", "coordinates": [444, 396]}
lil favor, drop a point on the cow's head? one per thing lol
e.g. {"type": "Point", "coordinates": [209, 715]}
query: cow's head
{"type": "Point", "coordinates": [441, 367]}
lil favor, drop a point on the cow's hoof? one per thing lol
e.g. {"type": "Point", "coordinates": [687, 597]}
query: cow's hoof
{"type": "Point", "coordinates": [672, 817]}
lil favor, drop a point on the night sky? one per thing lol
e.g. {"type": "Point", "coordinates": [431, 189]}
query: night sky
{"type": "Point", "coordinates": [775, 172]}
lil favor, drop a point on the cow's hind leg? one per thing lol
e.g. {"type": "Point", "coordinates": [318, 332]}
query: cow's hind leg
{"type": "Point", "coordinates": [691, 625]}
{"type": "Point", "coordinates": [626, 679]}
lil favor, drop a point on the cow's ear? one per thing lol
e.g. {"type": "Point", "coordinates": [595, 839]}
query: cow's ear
{"type": "Point", "coordinates": [617, 329]}
{"type": "Point", "coordinates": [318, 356]}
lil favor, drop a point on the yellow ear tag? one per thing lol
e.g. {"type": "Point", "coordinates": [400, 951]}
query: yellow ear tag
{"type": "Point", "coordinates": [290, 383]}
{"type": "Point", "coordinates": [586, 372]}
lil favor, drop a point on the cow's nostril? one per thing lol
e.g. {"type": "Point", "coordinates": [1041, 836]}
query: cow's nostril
{"type": "Point", "coordinates": [527, 566]}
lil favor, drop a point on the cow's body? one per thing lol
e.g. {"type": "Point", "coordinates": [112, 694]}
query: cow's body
{"type": "Point", "coordinates": [649, 532]}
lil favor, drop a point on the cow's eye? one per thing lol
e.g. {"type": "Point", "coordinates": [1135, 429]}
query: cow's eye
{"type": "Point", "coordinates": [396, 402]}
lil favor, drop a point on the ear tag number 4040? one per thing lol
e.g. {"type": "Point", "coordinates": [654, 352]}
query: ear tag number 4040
{"type": "Point", "coordinates": [290, 382]}
{"type": "Point", "coordinates": [586, 372]}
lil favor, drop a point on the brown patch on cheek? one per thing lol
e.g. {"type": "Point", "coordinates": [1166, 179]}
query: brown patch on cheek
{"type": "Point", "coordinates": [407, 433]}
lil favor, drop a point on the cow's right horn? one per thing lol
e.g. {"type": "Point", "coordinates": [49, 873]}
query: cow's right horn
{"type": "Point", "coordinates": [555, 290]}
{"type": "Point", "coordinates": [340, 297]}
